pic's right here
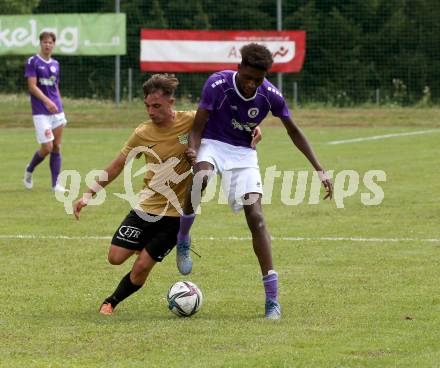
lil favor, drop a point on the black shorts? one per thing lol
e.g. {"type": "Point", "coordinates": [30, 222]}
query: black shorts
{"type": "Point", "coordinates": [158, 238]}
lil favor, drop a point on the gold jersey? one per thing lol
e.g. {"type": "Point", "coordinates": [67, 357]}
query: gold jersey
{"type": "Point", "coordinates": [168, 172]}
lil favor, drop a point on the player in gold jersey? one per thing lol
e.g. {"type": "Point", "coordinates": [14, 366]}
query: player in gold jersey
{"type": "Point", "coordinates": [151, 228]}
{"type": "Point", "coordinates": [162, 139]}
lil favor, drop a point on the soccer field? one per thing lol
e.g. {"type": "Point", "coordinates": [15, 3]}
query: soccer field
{"type": "Point", "coordinates": [357, 284]}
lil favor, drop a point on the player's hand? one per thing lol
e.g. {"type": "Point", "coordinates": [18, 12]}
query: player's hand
{"type": "Point", "coordinates": [256, 137]}
{"type": "Point", "coordinates": [77, 206]}
{"type": "Point", "coordinates": [191, 156]}
{"type": "Point", "coordinates": [52, 107]}
{"type": "Point", "coordinates": [327, 183]}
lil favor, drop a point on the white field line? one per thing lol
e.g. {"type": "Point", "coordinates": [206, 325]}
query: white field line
{"type": "Point", "coordinates": [385, 136]}
{"type": "Point", "coordinates": [237, 238]}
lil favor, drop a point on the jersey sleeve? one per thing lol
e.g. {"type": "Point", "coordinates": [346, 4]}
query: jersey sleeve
{"type": "Point", "coordinates": [58, 73]}
{"type": "Point", "coordinates": [133, 141]}
{"type": "Point", "coordinates": [278, 104]}
{"type": "Point", "coordinates": [211, 92]}
{"type": "Point", "coordinates": [30, 69]}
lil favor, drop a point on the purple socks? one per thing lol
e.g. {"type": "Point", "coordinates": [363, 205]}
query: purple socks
{"type": "Point", "coordinates": [55, 166]}
{"type": "Point", "coordinates": [270, 282]}
{"type": "Point", "coordinates": [37, 159]}
{"type": "Point", "coordinates": [186, 222]}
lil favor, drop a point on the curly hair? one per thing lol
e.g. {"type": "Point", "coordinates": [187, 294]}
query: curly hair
{"type": "Point", "coordinates": [166, 83]}
{"type": "Point", "coordinates": [256, 56]}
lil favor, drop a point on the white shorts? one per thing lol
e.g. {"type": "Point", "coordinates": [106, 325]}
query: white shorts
{"type": "Point", "coordinates": [238, 167]}
{"type": "Point", "coordinates": [45, 124]}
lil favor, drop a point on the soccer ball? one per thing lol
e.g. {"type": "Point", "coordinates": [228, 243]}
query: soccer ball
{"type": "Point", "coordinates": [184, 298]}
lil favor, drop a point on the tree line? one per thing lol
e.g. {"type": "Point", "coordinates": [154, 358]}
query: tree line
{"type": "Point", "coordinates": [356, 50]}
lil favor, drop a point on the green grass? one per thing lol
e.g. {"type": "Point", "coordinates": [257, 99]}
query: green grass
{"type": "Point", "coordinates": [345, 303]}
{"type": "Point", "coordinates": [86, 113]}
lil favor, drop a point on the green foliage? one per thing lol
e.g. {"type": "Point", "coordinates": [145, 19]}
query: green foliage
{"type": "Point", "coordinates": [98, 113]}
{"type": "Point", "coordinates": [426, 98]}
{"type": "Point", "coordinates": [11, 79]}
{"type": "Point", "coordinates": [14, 7]}
{"type": "Point", "coordinates": [193, 15]}
{"type": "Point", "coordinates": [156, 17]}
{"type": "Point", "coordinates": [400, 93]}
{"type": "Point", "coordinates": [353, 47]}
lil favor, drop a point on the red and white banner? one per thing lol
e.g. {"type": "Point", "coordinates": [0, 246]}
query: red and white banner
{"type": "Point", "coordinates": [204, 51]}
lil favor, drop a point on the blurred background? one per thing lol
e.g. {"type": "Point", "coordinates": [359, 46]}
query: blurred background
{"type": "Point", "coordinates": [357, 51]}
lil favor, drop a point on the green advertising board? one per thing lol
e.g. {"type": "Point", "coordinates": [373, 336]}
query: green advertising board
{"type": "Point", "coordinates": [77, 34]}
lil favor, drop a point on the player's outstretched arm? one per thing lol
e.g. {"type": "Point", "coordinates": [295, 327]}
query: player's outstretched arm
{"type": "Point", "coordinates": [301, 142]}
{"type": "Point", "coordinates": [195, 135]}
{"type": "Point", "coordinates": [112, 170]}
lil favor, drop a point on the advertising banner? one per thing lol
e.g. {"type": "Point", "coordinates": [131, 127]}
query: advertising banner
{"type": "Point", "coordinates": [77, 34]}
{"type": "Point", "coordinates": [204, 51]}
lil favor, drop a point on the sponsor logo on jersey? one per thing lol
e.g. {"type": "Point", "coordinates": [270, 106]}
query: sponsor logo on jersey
{"type": "Point", "coordinates": [243, 126]}
{"type": "Point", "coordinates": [183, 138]}
{"type": "Point", "coordinates": [253, 112]}
{"type": "Point", "coordinates": [47, 81]}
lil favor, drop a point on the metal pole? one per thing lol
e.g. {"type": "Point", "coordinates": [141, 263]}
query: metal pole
{"type": "Point", "coordinates": [117, 66]}
{"type": "Point", "coordinates": [295, 94]}
{"type": "Point", "coordinates": [279, 28]}
{"type": "Point", "coordinates": [130, 84]}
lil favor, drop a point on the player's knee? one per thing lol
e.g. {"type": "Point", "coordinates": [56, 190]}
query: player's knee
{"type": "Point", "coordinates": [46, 148]}
{"type": "Point", "coordinates": [115, 259]}
{"type": "Point", "coordinates": [56, 147]}
{"type": "Point", "coordinates": [256, 221]}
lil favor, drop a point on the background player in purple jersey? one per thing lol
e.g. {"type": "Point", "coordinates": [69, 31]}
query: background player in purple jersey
{"type": "Point", "coordinates": [232, 105]}
{"type": "Point", "coordinates": [43, 74]}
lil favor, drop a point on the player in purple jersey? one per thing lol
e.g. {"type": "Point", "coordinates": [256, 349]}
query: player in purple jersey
{"type": "Point", "coordinates": [43, 73]}
{"type": "Point", "coordinates": [231, 106]}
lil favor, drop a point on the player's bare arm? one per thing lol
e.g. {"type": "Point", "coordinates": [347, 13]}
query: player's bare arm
{"type": "Point", "coordinates": [34, 90]}
{"type": "Point", "coordinates": [58, 89]}
{"type": "Point", "coordinates": [113, 170]}
{"type": "Point", "coordinates": [301, 142]}
{"type": "Point", "coordinates": [256, 137]}
{"type": "Point", "coordinates": [195, 136]}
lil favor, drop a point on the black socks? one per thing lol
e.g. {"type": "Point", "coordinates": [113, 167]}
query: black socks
{"type": "Point", "coordinates": [123, 291]}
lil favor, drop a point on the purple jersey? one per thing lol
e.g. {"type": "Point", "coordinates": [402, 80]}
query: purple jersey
{"type": "Point", "coordinates": [233, 117]}
{"type": "Point", "coordinates": [47, 73]}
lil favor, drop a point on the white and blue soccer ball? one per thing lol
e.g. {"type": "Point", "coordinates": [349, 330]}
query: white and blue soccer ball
{"type": "Point", "coordinates": [184, 298]}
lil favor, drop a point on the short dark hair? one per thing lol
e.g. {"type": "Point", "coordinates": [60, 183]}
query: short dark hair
{"type": "Point", "coordinates": [166, 83]}
{"type": "Point", "coordinates": [256, 56]}
{"type": "Point", "coordinates": [46, 34]}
